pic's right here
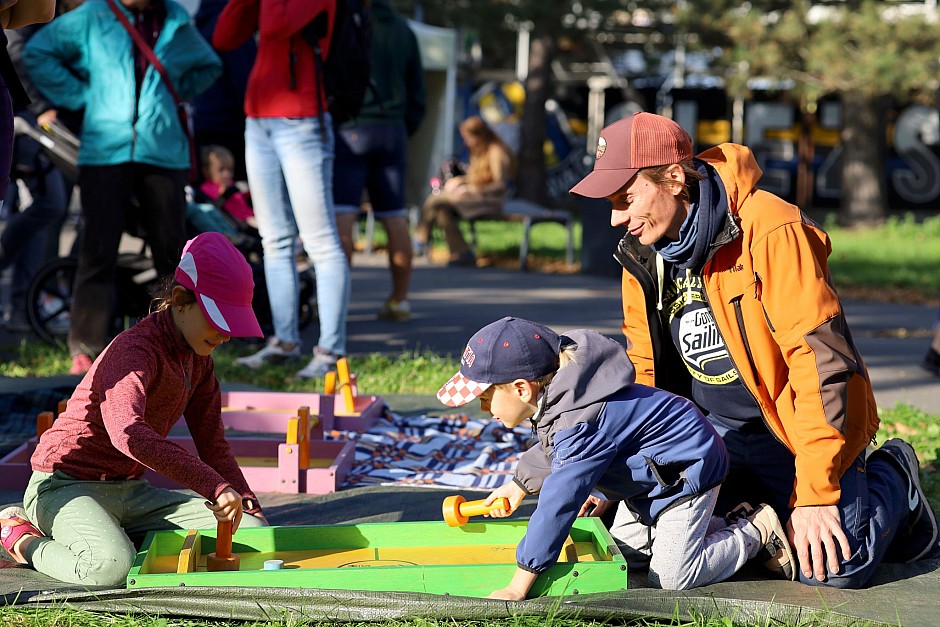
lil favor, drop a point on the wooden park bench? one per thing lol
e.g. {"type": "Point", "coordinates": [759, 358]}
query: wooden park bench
{"type": "Point", "coordinates": [530, 214]}
{"type": "Point", "coordinates": [514, 209]}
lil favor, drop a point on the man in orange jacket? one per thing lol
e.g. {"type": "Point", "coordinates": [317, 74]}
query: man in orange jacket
{"type": "Point", "coordinates": [727, 300]}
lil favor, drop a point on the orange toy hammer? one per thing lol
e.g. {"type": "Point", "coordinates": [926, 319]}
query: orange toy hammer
{"type": "Point", "coordinates": [458, 510]}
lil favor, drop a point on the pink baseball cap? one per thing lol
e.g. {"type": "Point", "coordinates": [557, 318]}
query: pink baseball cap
{"type": "Point", "coordinates": [222, 280]}
{"type": "Point", "coordinates": [643, 140]}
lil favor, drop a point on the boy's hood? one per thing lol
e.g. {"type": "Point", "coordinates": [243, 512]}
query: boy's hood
{"type": "Point", "coordinates": [601, 369]}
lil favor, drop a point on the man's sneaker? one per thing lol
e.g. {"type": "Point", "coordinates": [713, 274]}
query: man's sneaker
{"type": "Point", "coordinates": [775, 555]}
{"type": "Point", "coordinates": [321, 363]}
{"type": "Point", "coordinates": [918, 535]}
{"type": "Point", "coordinates": [273, 352]}
{"type": "Point", "coordinates": [395, 310]}
{"type": "Point", "coordinates": [931, 362]}
{"type": "Point", "coordinates": [81, 364]}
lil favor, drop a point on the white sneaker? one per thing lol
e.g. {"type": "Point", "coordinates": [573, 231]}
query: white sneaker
{"type": "Point", "coordinates": [318, 366]}
{"type": "Point", "coordinates": [273, 352]}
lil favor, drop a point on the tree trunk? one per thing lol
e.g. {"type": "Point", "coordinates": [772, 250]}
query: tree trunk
{"type": "Point", "coordinates": [531, 185]}
{"type": "Point", "coordinates": [804, 166]}
{"type": "Point", "coordinates": [864, 197]}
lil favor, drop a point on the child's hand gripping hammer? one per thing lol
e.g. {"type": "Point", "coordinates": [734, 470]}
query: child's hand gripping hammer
{"type": "Point", "coordinates": [457, 510]}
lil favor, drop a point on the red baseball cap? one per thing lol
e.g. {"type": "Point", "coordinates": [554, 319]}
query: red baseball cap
{"type": "Point", "coordinates": [643, 140]}
{"type": "Point", "coordinates": [221, 278]}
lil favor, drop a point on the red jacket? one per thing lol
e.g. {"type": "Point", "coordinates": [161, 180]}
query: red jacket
{"type": "Point", "coordinates": [271, 91]}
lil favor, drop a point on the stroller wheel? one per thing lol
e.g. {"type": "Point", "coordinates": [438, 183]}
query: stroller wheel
{"type": "Point", "coordinates": [49, 300]}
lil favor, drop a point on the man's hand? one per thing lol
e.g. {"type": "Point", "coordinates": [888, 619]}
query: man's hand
{"type": "Point", "coordinates": [595, 506]}
{"type": "Point", "coordinates": [509, 490]}
{"type": "Point", "coordinates": [814, 531]}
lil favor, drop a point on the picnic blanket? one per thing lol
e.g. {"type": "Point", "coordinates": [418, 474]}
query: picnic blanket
{"type": "Point", "coordinates": [18, 413]}
{"type": "Point", "coordinates": [455, 451]}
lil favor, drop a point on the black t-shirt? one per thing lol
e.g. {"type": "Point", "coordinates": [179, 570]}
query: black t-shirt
{"type": "Point", "coordinates": [716, 386]}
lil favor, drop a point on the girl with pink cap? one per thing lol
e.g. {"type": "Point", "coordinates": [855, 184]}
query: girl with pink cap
{"type": "Point", "coordinates": [86, 506]}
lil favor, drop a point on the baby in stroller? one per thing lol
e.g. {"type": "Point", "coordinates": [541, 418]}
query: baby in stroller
{"type": "Point", "coordinates": [218, 170]}
{"type": "Point", "coordinates": [218, 205]}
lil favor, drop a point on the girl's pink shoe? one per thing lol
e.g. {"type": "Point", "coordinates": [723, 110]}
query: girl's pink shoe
{"type": "Point", "coordinates": [14, 526]}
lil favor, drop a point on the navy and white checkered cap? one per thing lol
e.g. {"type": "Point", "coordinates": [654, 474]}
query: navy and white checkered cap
{"type": "Point", "coordinates": [503, 351]}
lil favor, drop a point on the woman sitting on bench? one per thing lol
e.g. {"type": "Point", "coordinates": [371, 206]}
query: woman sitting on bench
{"type": "Point", "coordinates": [477, 194]}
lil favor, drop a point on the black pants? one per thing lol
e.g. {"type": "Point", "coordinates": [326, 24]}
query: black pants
{"type": "Point", "coordinates": [107, 207]}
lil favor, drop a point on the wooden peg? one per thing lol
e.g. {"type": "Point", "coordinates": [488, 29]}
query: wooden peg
{"type": "Point", "coordinates": [44, 422]}
{"type": "Point", "coordinates": [222, 558]}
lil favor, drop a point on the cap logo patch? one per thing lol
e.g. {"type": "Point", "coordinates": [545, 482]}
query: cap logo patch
{"type": "Point", "coordinates": [468, 356]}
{"type": "Point", "coordinates": [601, 148]}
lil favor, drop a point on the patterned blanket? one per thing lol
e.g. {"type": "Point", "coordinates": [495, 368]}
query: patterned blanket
{"type": "Point", "coordinates": [453, 451]}
{"type": "Point", "coordinates": [18, 413]}
{"type": "Point", "coordinates": [447, 451]}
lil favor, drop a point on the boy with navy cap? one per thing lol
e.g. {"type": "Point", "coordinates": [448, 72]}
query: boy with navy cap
{"type": "Point", "coordinates": [598, 430]}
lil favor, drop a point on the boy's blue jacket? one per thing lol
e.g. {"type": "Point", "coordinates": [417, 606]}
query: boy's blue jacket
{"type": "Point", "coordinates": [596, 428]}
{"type": "Point", "coordinates": [84, 60]}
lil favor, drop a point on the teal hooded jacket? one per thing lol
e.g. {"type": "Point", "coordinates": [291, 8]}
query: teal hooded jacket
{"type": "Point", "coordinates": [83, 60]}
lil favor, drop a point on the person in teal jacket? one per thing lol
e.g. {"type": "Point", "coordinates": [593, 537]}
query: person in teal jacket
{"type": "Point", "coordinates": [133, 145]}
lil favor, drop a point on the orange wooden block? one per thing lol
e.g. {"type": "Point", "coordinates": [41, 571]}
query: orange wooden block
{"type": "Point", "coordinates": [44, 422]}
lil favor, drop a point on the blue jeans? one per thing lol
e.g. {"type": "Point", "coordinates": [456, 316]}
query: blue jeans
{"type": "Point", "coordinates": [290, 173]}
{"type": "Point", "coordinates": [873, 502]}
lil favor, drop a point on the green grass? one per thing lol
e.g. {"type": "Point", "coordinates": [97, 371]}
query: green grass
{"type": "Point", "coordinates": [408, 373]}
{"type": "Point", "coordinates": [904, 253]}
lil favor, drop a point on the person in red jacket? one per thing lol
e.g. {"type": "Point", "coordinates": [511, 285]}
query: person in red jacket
{"type": "Point", "coordinates": [289, 159]}
{"type": "Point", "coordinates": [727, 300]}
{"type": "Point", "coordinates": [86, 505]}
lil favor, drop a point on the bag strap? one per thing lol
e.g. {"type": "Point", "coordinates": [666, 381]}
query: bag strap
{"type": "Point", "coordinates": [148, 52]}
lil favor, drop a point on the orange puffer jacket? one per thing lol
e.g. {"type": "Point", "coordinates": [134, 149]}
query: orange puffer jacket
{"type": "Point", "coordinates": [769, 290]}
